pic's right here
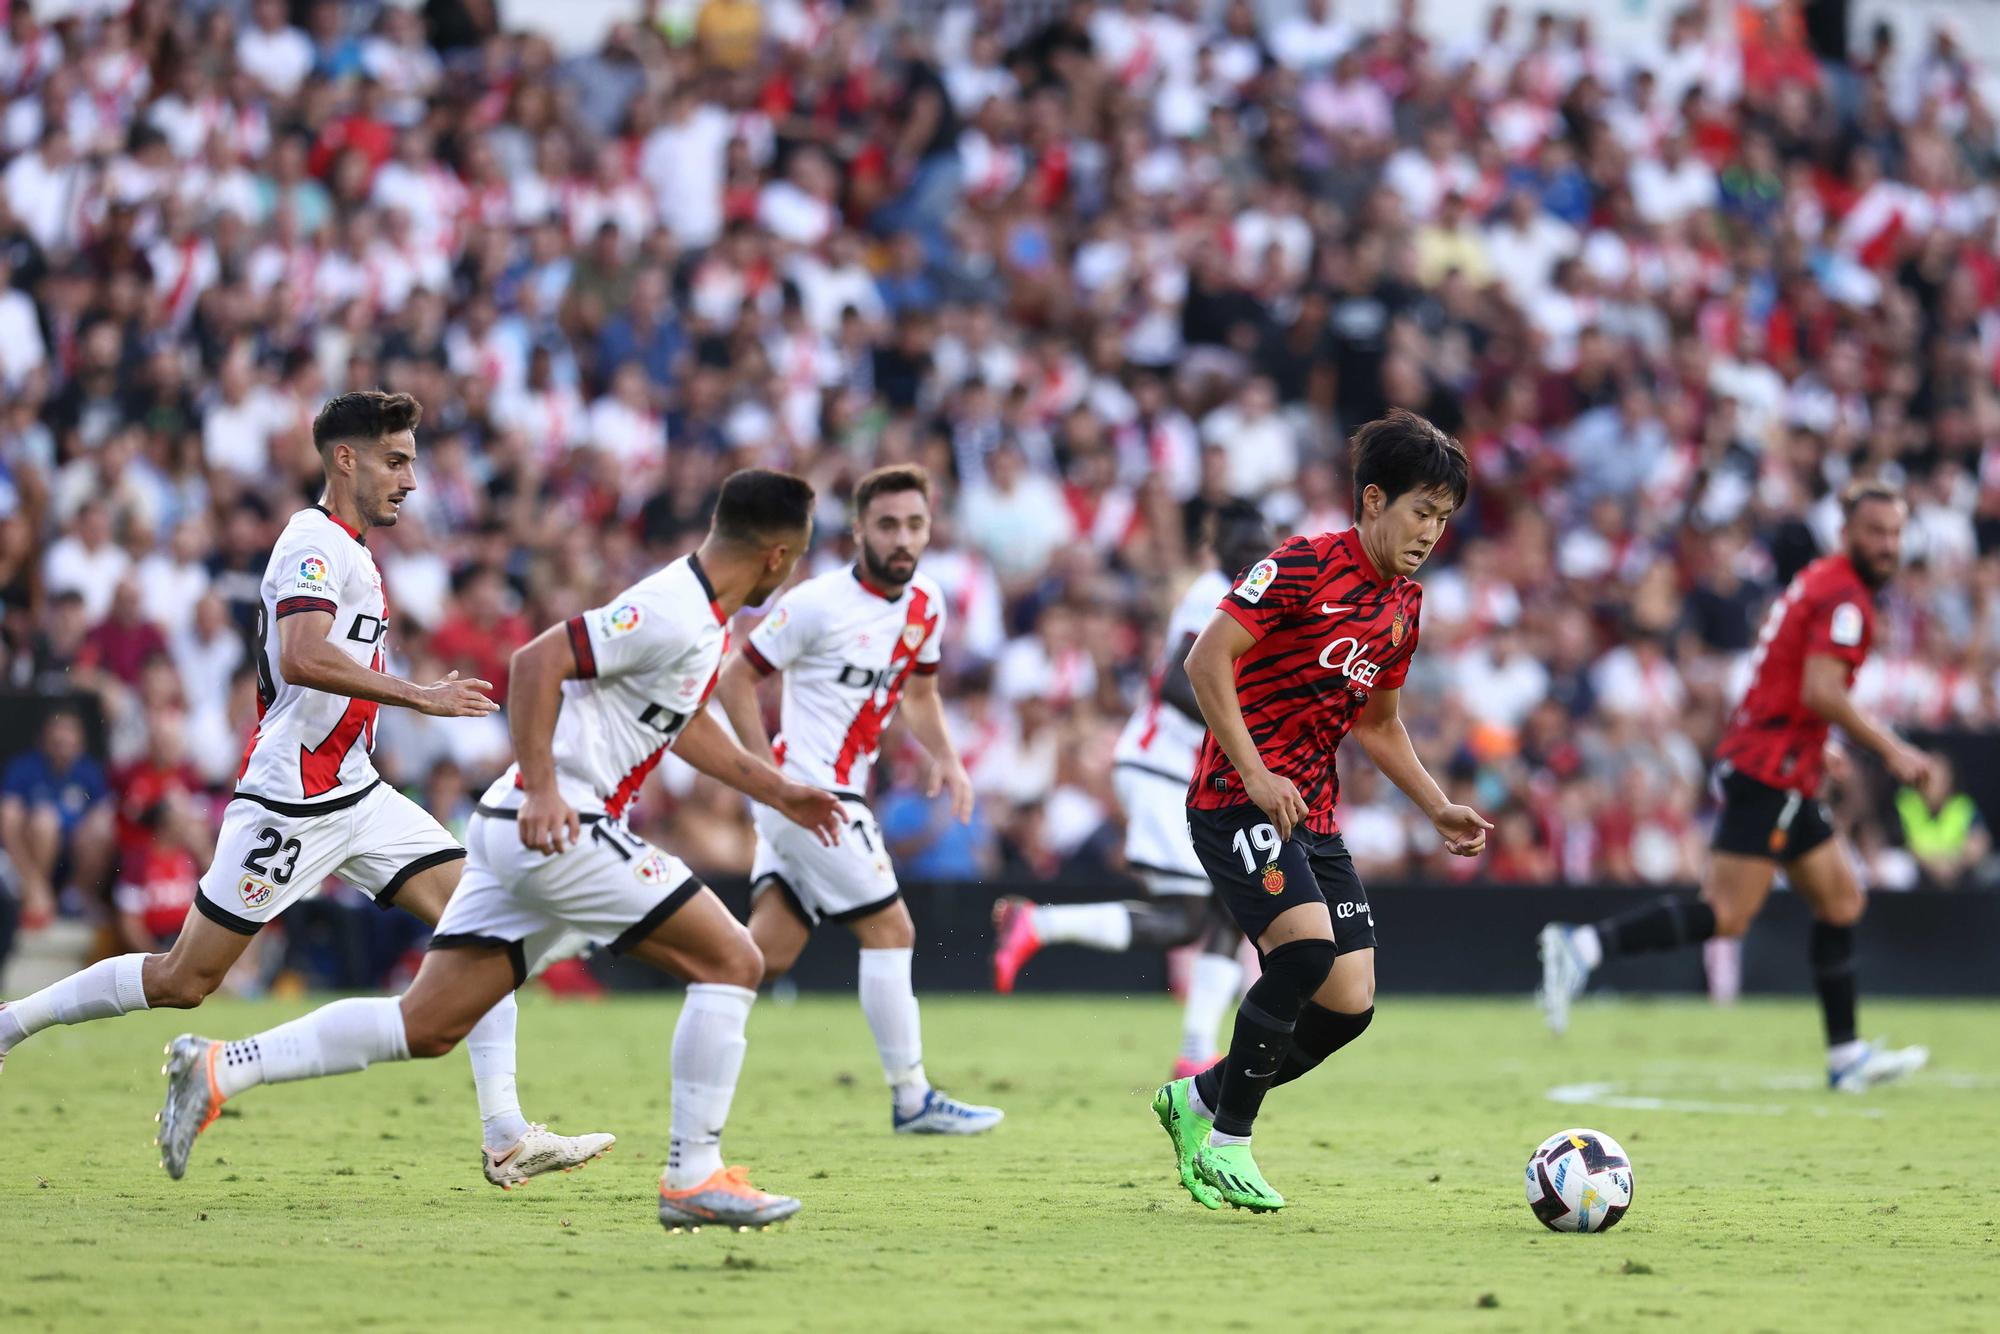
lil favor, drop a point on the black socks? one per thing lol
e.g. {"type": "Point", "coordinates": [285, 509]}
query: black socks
{"type": "Point", "coordinates": [1264, 1026]}
{"type": "Point", "coordinates": [1832, 954]}
{"type": "Point", "coordinates": [1667, 924]}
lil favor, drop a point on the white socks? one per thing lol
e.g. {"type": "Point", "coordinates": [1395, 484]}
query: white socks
{"type": "Point", "coordinates": [1101, 926]}
{"type": "Point", "coordinates": [1589, 947]}
{"type": "Point", "coordinates": [1196, 1105]}
{"type": "Point", "coordinates": [1212, 985]}
{"type": "Point", "coordinates": [104, 990]}
{"type": "Point", "coordinates": [708, 1056]}
{"type": "Point", "coordinates": [490, 1044]}
{"type": "Point", "coordinates": [335, 1039]}
{"type": "Point", "coordinates": [1844, 1054]}
{"type": "Point", "coordinates": [890, 1004]}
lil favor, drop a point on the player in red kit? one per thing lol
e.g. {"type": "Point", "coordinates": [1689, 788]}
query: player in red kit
{"type": "Point", "coordinates": [1769, 765]}
{"type": "Point", "coordinates": [1311, 646]}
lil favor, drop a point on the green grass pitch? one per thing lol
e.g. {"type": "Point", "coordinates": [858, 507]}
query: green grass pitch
{"type": "Point", "coordinates": [1763, 1202]}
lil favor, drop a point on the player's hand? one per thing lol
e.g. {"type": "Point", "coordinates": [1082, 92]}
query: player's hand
{"type": "Point", "coordinates": [548, 823]}
{"type": "Point", "coordinates": [1918, 769]}
{"type": "Point", "coordinates": [453, 698]}
{"type": "Point", "coordinates": [953, 778]}
{"type": "Point", "coordinates": [1278, 797]}
{"type": "Point", "coordinates": [1463, 830]}
{"type": "Point", "coordinates": [811, 808]}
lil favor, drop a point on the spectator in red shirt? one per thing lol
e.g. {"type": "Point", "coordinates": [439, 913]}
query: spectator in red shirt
{"type": "Point", "coordinates": [482, 630]}
{"type": "Point", "coordinates": [124, 641]}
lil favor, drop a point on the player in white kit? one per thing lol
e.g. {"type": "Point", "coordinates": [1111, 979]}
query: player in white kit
{"type": "Point", "coordinates": [592, 706]}
{"type": "Point", "coordinates": [852, 644]}
{"type": "Point", "coordinates": [308, 803]}
{"type": "Point", "coordinates": [1152, 766]}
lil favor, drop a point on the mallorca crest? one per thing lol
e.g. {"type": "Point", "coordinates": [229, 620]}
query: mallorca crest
{"type": "Point", "coordinates": [1396, 631]}
{"type": "Point", "coordinates": [1274, 879]}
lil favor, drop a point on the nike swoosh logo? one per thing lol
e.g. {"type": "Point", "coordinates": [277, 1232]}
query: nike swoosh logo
{"type": "Point", "coordinates": [1334, 610]}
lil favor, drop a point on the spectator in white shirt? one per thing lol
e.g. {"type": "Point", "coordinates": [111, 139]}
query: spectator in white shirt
{"type": "Point", "coordinates": [21, 347]}
{"type": "Point", "coordinates": [1673, 185]}
{"type": "Point", "coordinates": [1311, 39]}
{"type": "Point", "coordinates": [87, 562]}
{"type": "Point", "coordinates": [1015, 518]}
{"type": "Point", "coordinates": [275, 54]}
{"type": "Point", "coordinates": [1263, 448]}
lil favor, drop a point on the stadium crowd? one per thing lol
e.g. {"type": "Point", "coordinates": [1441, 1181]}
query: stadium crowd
{"type": "Point", "coordinates": [1100, 267]}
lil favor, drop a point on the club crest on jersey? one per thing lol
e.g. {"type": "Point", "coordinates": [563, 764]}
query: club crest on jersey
{"type": "Point", "coordinates": [313, 570]}
{"type": "Point", "coordinates": [1396, 631]}
{"type": "Point", "coordinates": [1259, 579]}
{"type": "Point", "coordinates": [1274, 879]}
{"type": "Point", "coordinates": [652, 869]}
{"type": "Point", "coordinates": [256, 893]}
{"type": "Point", "coordinates": [622, 620]}
{"type": "Point", "coordinates": [913, 635]}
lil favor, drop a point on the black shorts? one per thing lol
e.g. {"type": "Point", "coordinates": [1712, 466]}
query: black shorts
{"type": "Point", "coordinates": [1759, 820]}
{"type": "Point", "coordinates": [1256, 877]}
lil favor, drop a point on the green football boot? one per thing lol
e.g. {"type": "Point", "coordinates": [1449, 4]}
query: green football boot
{"type": "Point", "coordinates": [1188, 1130]}
{"type": "Point", "coordinates": [1230, 1171]}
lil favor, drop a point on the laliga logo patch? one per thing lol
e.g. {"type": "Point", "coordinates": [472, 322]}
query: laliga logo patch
{"type": "Point", "coordinates": [1274, 879]}
{"type": "Point", "coordinates": [777, 619]}
{"type": "Point", "coordinates": [622, 620]}
{"type": "Point", "coordinates": [1257, 581]}
{"type": "Point", "coordinates": [254, 891]}
{"type": "Point", "coordinates": [652, 868]}
{"type": "Point", "coordinates": [313, 570]}
{"type": "Point", "coordinates": [913, 635]}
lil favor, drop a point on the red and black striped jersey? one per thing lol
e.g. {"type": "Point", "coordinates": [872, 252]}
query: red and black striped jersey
{"type": "Point", "coordinates": [1772, 736]}
{"type": "Point", "coordinates": [1329, 629]}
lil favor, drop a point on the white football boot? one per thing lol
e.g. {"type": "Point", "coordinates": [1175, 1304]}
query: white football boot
{"type": "Point", "coordinates": [944, 1115]}
{"type": "Point", "coordinates": [1876, 1064]}
{"type": "Point", "coordinates": [1564, 975]}
{"type": "Point", "coordinates": [540, 1150]}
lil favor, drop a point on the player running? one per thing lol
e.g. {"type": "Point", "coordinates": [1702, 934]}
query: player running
{"type": "Point", "coordinates": [1313, 644]}
{"type": "Point", "coordinates": [1768, 771]}
{"type": "Point", "coordinates": [308, 802]}
{"type": "Point", "coordinates": [851, 643]}
{"type": "Point", "coordinates": [1150, 772]}
{"type": "Point", "coordinates": [592, 705]}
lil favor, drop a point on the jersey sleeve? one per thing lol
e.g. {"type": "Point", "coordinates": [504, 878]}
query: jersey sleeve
{"type": "Point", "coordinates": [1399, 671]}
{"type": "Point", "coordinates": [1273, 588]}
{"type": "Point", "coordinates": [1843, 627]}
{"type": "Point", "coordinates": [305, 575]}
{"type": "Point", "coordinates": [781, 638]}
{"type": "Point", "coordinates": [932, 652]}
{"type": "Point", "coordinates": [618, 638]}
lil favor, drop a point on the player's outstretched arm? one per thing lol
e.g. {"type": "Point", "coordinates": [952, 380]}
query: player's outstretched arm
{"type": "Point", "coordinates": [1823, 689]}
{"type": "Point", "coordinates": [1211, 669]}
{"type": "Point", "coordinates": [703, 744]}
{"type": "Point", "coordinates": [1381, 733]}
{"type": "Point", "coordinates": [534, 696]}
{"type": "Point", "coordinates": [736, 691]}
{"type": "Point", "coordinates": [307, 659]}
{"type": "Point", "coordinates": [923, 710]}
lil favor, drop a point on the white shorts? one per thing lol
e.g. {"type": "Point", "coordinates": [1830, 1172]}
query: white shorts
{"type": "Point", "coordinates": [1157, 847]}
{"type": "Point", "coordinates": [851, 879]}
{"type": "Point", "coordinates": [267, 860]}
{"type": "Point", "coordinates": [611, 888]}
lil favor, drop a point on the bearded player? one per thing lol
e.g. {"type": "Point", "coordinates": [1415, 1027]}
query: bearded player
{"type": "Point", "coordinates": [592, 705]}
{"type": "Point", "coordinates": [851, 645]}
{"type": "Point", "coordinates": [1311, 646]}
{"type": "Point", "coordinates": [1769, 766]}
{"type": "Point", "coordinates": [308, 803]}
{"type": "Point", "coordinates": [1150, 771]}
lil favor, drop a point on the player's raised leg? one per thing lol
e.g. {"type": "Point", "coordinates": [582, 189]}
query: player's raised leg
{"type": "Point", "coordinates": [1825, 878]}
{"type": "Point", "coordinates": [513, 1148]}
{"type": "Point", "coordinates": [453, 989]}
{"type": "Point", "coordinates": [180, 979]}
{"type": "Point", "coordinates": [702, 943]}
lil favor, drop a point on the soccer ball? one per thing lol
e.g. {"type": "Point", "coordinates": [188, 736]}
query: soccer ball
{"type": "Point", "coordinates": [1579, 1181]}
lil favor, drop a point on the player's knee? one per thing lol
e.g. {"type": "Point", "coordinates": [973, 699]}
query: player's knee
{"type": "Point", "coordinates": [734, 962]}
{"type": "Point", "coordinates": [1731, 919]}
{"type": "Point", "coordinates": [1296, 969]}
{"type": "Point", "coordinates": [1193, 914]}
{"type": "Point", "coordinates": [181, 986]}
{"type": "Point", "coordinates": [428, 1039]}
{"type": "Point", "coordinates": [1843, 911]}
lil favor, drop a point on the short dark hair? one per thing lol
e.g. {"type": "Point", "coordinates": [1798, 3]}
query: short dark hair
{"type": "Point", "coordinates": [887, 480]}
{"type": "Point", "coordinates": [758, 504]}
{"type": "Point", "coordinates": [1864, 489]}
{"type": "Point", "coordinates": [366, 415]}
{"type": "Point", "coordinates": [1403, 452]}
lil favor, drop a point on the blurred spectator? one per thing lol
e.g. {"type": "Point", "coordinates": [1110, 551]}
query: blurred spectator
{"type": "Point", "coordinates": [55, 822]}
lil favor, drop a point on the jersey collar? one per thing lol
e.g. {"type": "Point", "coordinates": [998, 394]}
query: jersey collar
{"type": "Point", "coordinates": [701, 577]}
{"type": "Point", "coordinates": [343, 524]}
{"type": "Point", "coordinates": [862, 579]}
